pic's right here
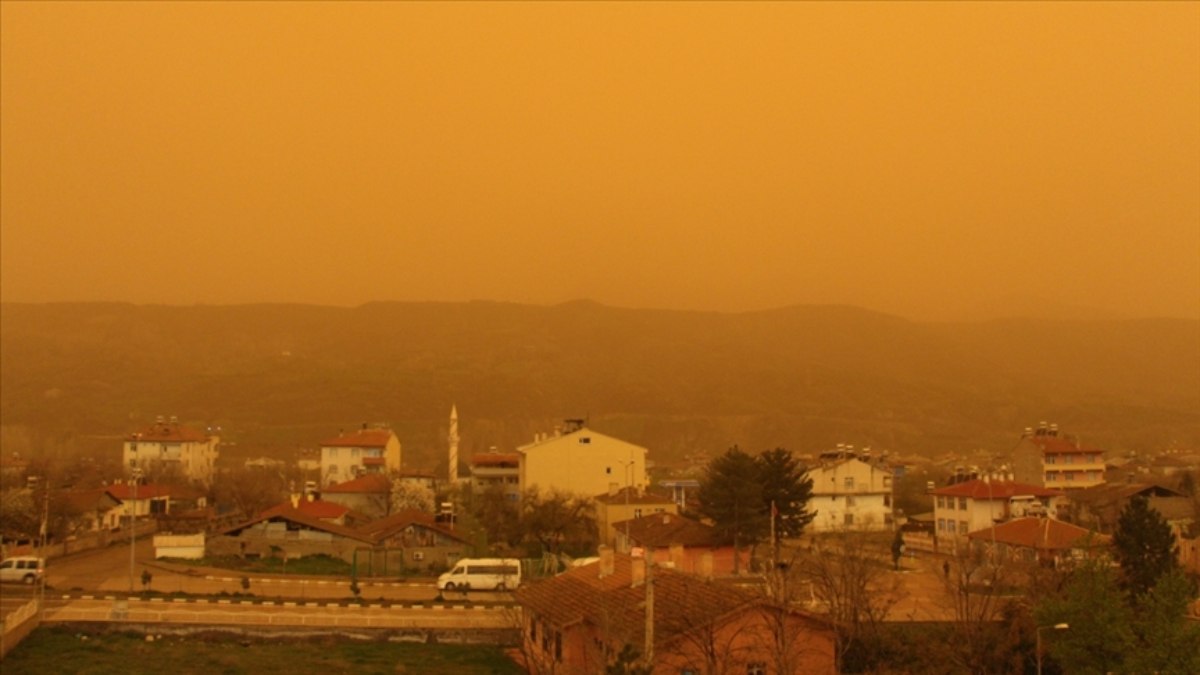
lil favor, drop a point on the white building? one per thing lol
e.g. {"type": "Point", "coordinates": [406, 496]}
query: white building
{"type": "Point", "coordinates": [171, 446]}
{"type": "Point", "coordinates": [851, 492]}
{"type": "Point", "coordinates": [577, 459]}
{"type": "Point", "coordinates": [977, 504]}
{"type": "Point", "coordinates": [363, 451]}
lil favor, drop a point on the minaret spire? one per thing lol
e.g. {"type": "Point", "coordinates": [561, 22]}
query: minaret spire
{"type": "Point", "coordinates": [453, 441]}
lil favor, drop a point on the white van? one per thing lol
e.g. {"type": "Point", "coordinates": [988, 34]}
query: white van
{"type": "Point", "coordinates": [26, 569]}
{"type": "Point", "coordinates": [498, 574]}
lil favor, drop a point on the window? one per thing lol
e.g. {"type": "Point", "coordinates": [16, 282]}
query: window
{"type": "Point", "coordinates": [1049, 459]}
{"type": "Point", "coordinates": [962, 503]}
{"type": "Point", "coordinates": [849, 482]}
{"type": "Point", "coordinates": [887, 501]}
{"type": "Point", "coordinates": [849, 501]}
{"type": "Point", "coordinates": [962, 527]}
{"type": "Point", "coordinates": [950, 526]}
{"type": "Point", "coordinates": [608, 469]}
{"type": "Point", "coordinates": [332, 452]}
{"type": "Point", "coordinates": [849, 520]}
{"type": "Point", "coordinates": [585, 440]}
{"type": "Point", "coordinates": [941, 524]}
{"type": "Point", "coordinates": [355, 452]}
{"type": "Point", "coordinates": [941, 502]}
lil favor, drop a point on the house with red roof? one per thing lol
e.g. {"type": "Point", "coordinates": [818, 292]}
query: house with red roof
{"type": "Point", "coordinates": [359, 452]}
{"type": "Point", "coordinates": [368, 494]}
{"type": "Point", "coordinates": [291, 533]}
{"type": "Point", "coordinates": [579, 621]}
{"type": "Point", "coordinates": [1047, 457]}
{"type": "Point", "coordinates": [975, 504]}
{"type": "Point", "coordinates": [1044, 540]}
{"type": "Point", "coordinates": [413, 540]}
{"type": "Point", "coordinates": [142, 501]}
{"type": "Point", "coordinates": [90, 510]}
{"type": "Point", "coordinates": [681, 543]}
{"type": "Point", "coordinates": [497, 471]}
{"type": "Point", "coordinates": [170, 446]}
{"type": "Point", "coordinates": [624, 504]}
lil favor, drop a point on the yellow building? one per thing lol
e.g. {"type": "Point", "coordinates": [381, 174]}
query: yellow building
{"type": "Point", "coordinates": [626, 504]}
{"type": "Point", "coordinates": [577, 459]}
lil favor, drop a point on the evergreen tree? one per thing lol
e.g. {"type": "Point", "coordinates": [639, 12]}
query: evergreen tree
{"type": "Point", "coordinates": [786, 485]}
{"type": "Point", "coordinates": [1144, 546]}
{"type": "Point", "coordinates": [1167, 641]}
{"type": "Point", "coordinates": [1100, 635]}
{"type": "Point", "coordinates": [731, 494]}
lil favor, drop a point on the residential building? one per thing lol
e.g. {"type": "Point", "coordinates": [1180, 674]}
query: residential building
{"type": "Point", "coordinates": [142, 501]}
{"type": "Point", "coordinates": [578, 622]}
{"type": "Point", "coordinates": [168, 446]}
{"type": "Point", "coordinates": [1036, 539]}
{"type": "Point", "coordinates": [626, 504]}
{"type": "Point", "coordinates": [1099, 506]}
{"type": "Point", "coordinates": [368, 494]}
{"type": "Point", "coordinates": [851, 490]}
{"type": "Point", "coordinates": [975, 504]}
{"type": "Point", "coordinates": [1054, 460]}
{"type": "Point", "coordinates": [366, 450]}
{"type": "Point", "coordinates": [288, 533]}
{"type": "Point", "coordinates": [92, 510]}
{"type": "Point", "coordinates": [497, 470]}
{"type": "Point", "coordinates": [412, 540]}
{"type": "Point", "coordinates": [577, 459]}
{"type": "Point", "coordinates": [319, 509]}
{"type": "Point", "coordinates": [682, 544]}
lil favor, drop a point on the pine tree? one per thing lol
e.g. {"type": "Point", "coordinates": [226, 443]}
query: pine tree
{"type": "Point", "coordinates": [732, 496]}
{"type": "Point", "coordinates": [1144, 546]}
{"type": "Point", "coordinates": [787, 487]}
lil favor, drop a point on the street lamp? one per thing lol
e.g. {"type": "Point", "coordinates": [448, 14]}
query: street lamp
{"type": "Point", "coordinates": [135, 476]}
{"type": "Point", "coordinates": [1057, 626]}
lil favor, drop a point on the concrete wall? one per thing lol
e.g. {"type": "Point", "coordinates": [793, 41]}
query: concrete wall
{"type": "Point", "coordinates": [17, 625]}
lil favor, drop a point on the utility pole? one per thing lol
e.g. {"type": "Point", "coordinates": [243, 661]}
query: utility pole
{"type": "Point", "coordinates": [136, 474]}
{"type": "Point", "coordinates": [649, 607]}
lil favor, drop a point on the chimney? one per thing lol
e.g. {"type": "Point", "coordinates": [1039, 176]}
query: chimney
{"type": "Point", "coordinates": [295, 500]}
{"type": "Point", "coordinates": [705, 568]}
{"type": "Point", "coordinates": [637, 571]}
{"type": "Point", "coordinates": [606, 561]}
{"type": "Point", "coordinates": [666, 519]}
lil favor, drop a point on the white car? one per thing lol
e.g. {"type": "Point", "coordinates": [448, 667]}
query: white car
{"type": "Point", "coordinates": [499, 574]}
{"type": "Point", "coordinates": [26, 569]}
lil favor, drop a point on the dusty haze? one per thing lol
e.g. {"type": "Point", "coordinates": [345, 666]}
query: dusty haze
{"type": "Point", "coordinates": [934, 161]}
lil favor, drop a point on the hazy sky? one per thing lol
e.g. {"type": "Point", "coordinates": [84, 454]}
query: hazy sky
{"type": "Point", "coordinates": [927, 160]}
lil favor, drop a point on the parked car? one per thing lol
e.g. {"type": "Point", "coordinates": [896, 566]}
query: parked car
{"type": "Point", "coordinates": [26, 569]}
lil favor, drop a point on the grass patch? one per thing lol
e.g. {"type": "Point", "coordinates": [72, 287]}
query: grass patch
{"type": "Point", "coordinates": [59, 649]}
{"type": "Point", "coordinates": [310, 565]}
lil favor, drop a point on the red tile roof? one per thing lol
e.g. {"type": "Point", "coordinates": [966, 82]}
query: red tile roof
{"type": "Point", "coordinates": [682, 602]}
{"type": "Point", "coordinates": [316, 508]}
{"type": "Point", "coordinates": [980, 489]}
{"type": "Point", "coordinates": [168, 432]}
{"type": "Point", "coordinates": [385, 527]}
{"type": "Point", "coordinates": [363, 438]}
{"type": "Point", "coordinates": [80, 501]}
{"type": "Point", "coordinates": [286, 512]}
{"type": "Point", "coordinates": [660, 530]}
{"type": "Point", "coordinates": [1041, 533]}
{"type": "Point", "coordinates": [372, 483]}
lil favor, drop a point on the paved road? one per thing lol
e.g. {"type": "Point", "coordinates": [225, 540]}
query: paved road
{"type": "Point", "coordinates": [107, 570]}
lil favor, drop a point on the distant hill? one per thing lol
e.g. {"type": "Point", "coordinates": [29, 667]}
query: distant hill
{"type": "Point", "coordinates": [280, 377]}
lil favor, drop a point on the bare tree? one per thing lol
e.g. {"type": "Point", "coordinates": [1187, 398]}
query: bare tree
{"type": "Point", "coordinates": [848, 573]}
{"type": "Point", "coordinates": [250, 490]}
{"type": "Point", "coordinates": [974, 589]}
{"type": "Point", "coordinates": [560, 522]}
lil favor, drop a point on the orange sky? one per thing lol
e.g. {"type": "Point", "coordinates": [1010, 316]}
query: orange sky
{"type": "Point", "coordinates": [929, 160]}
